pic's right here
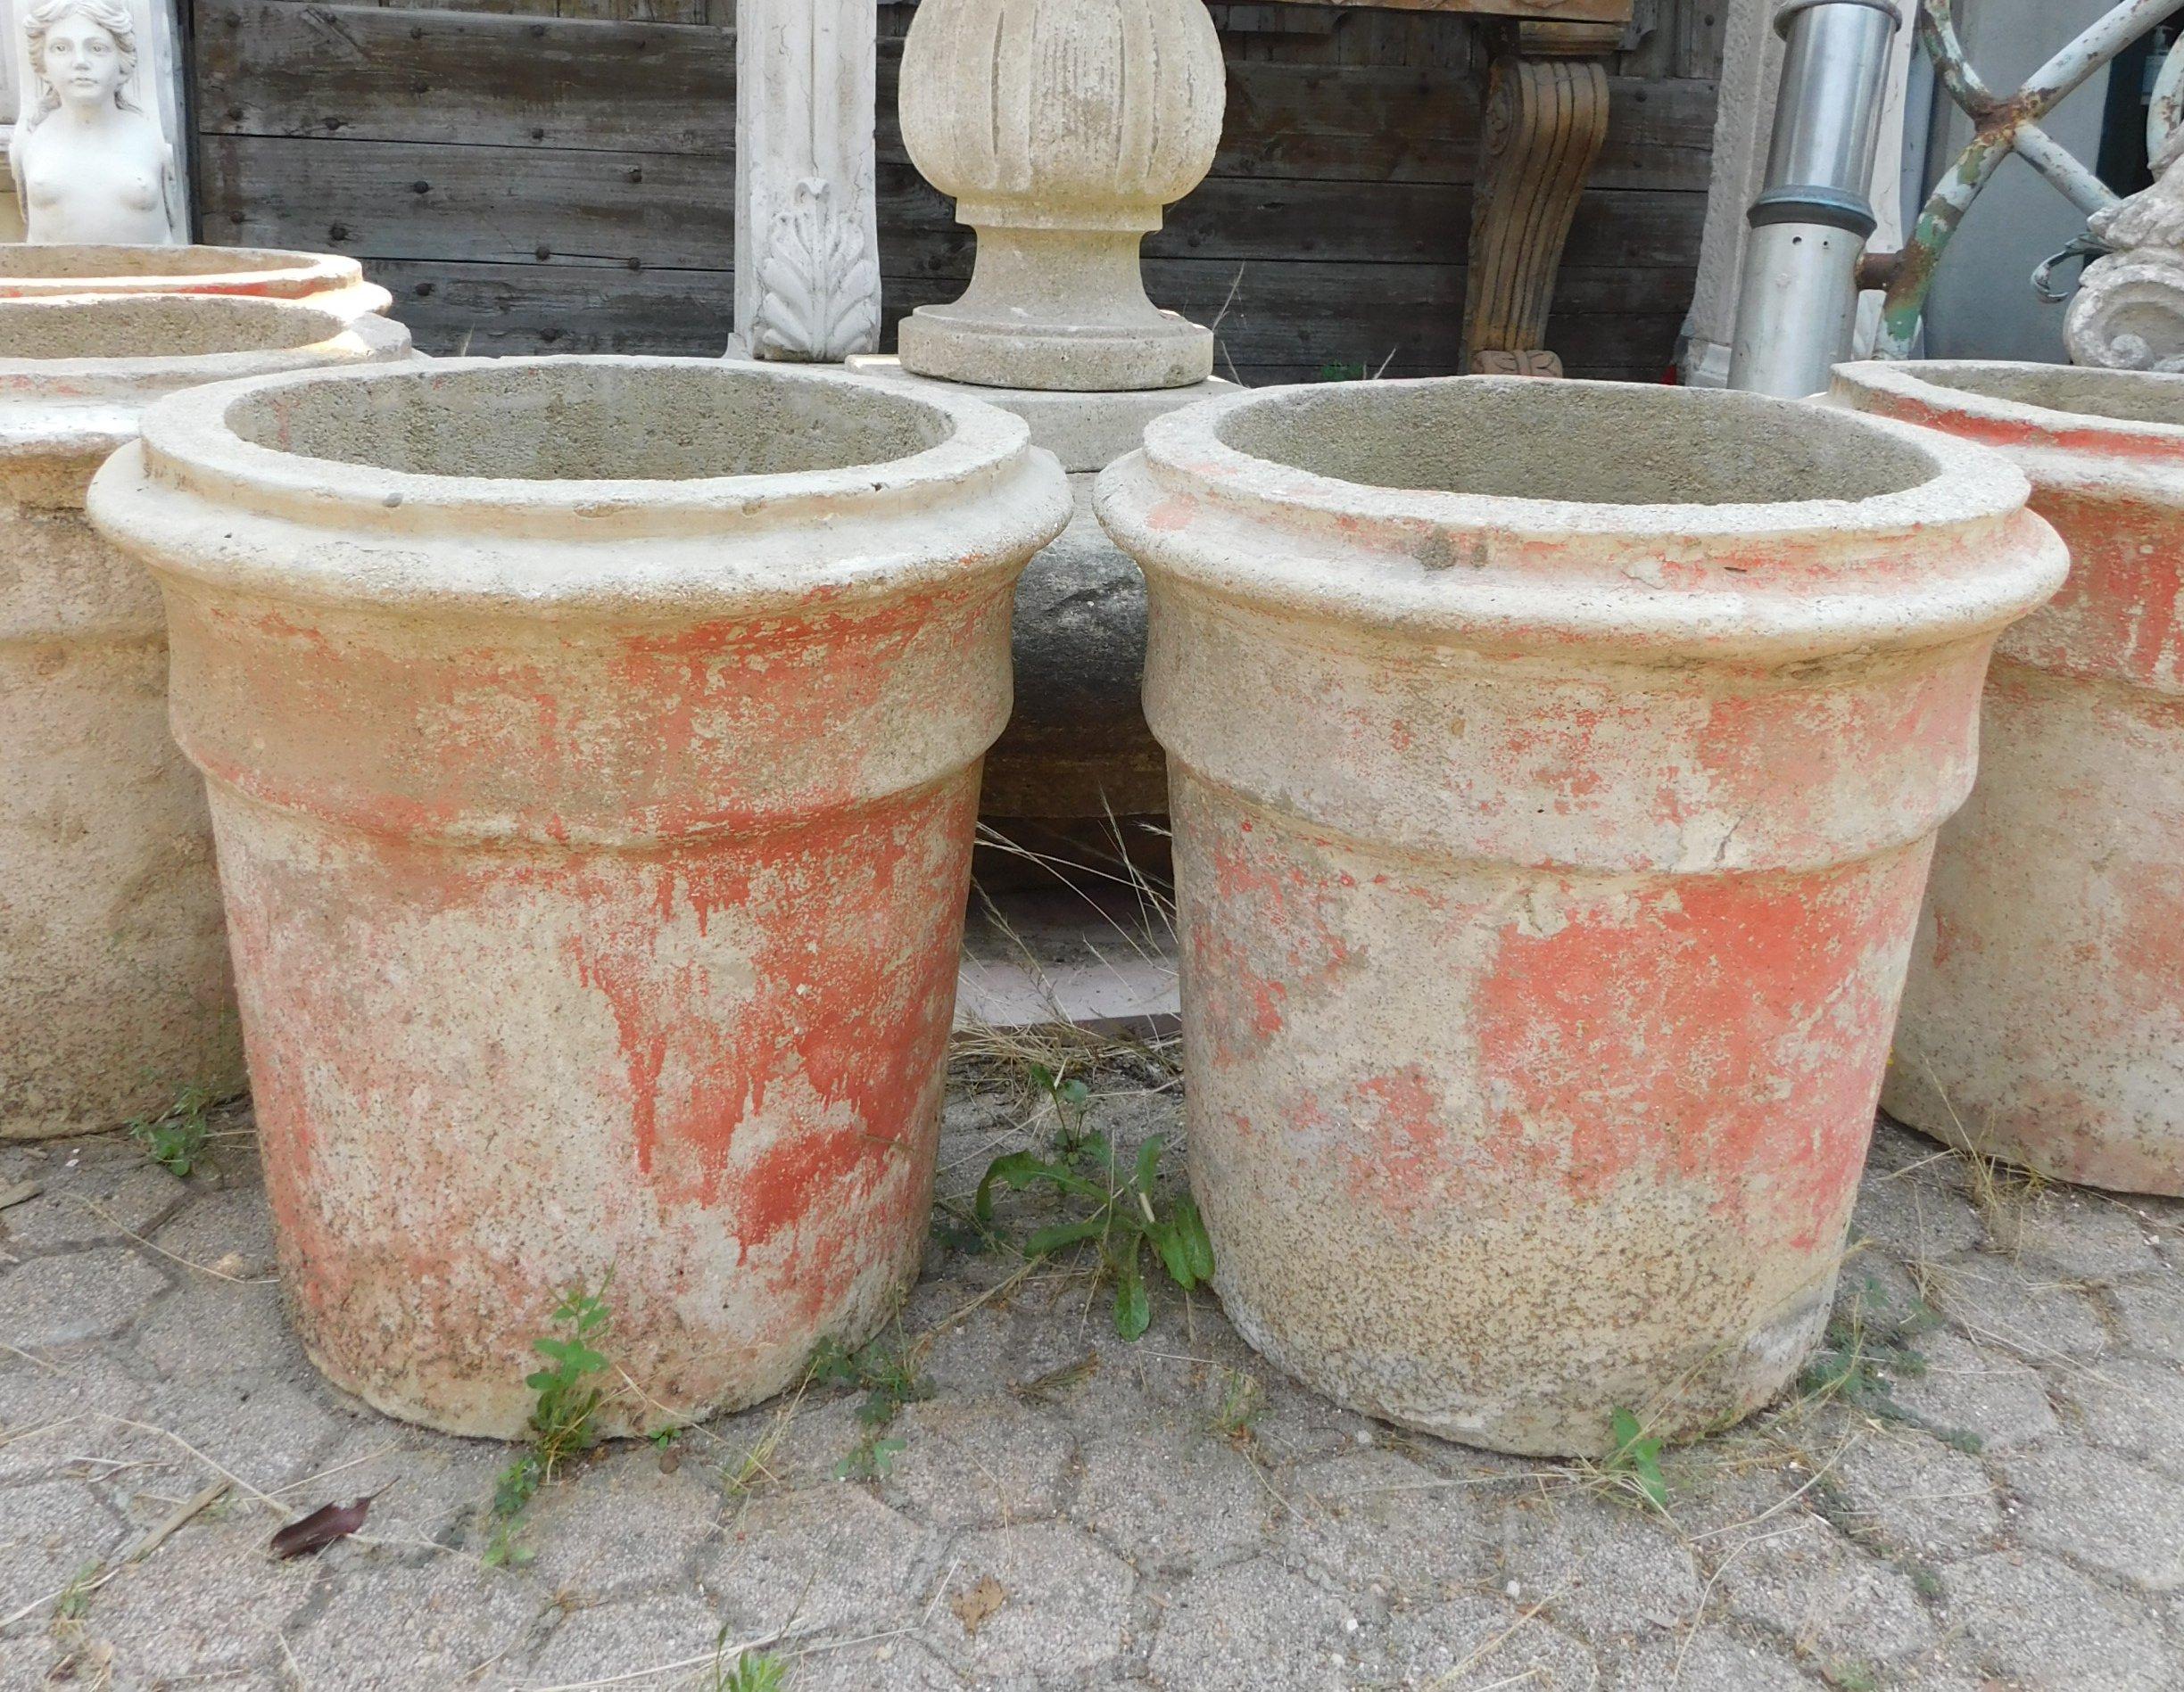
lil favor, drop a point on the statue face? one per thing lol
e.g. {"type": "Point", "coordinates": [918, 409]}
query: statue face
{"type": "Point", "coordinates": [82, 62]}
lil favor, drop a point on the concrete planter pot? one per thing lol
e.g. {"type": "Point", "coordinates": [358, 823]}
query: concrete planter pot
{"type": "Point", "coordinates": [333, 283]}
{"type": "Point", "coordinates": [2044, 1021]}
{"type": "Point", "coordinates": [114, 990]}
{"type": "Point", "coordinates": [1555, 768]}
{"type": "Point", "coordinates": [594, 829]}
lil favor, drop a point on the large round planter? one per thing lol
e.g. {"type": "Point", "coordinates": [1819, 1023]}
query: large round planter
{"type": "Point", "coordinates": [2044, 1020]}
{"type": "Point", "coordinates": [114, 991]}
{"type": "Point", "coordinates": [593, 746]}
{"type": "Point", "coordinates": [1555, 768]}
{"type": "Point", "coordinates": [330, 282]}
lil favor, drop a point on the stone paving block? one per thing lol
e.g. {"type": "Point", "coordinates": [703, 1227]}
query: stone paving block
{"type": "Point", "coordinates": [1174, 1495]}
{"type": "Point", "coordinates": [1911, 1492]}
{"type": "Point", "coordinates": [385, 1623]}
{"type": "Point", "coordinates": [625, 1635]}
{"type": "Point", "coordinates": [2035, 1319]}
{"type": "Point", "coordinates": [206, 1603]}
{"type": "Point", "coordinates": [1603, 1569]}
{"type": "Point", "coordinates": [2133, 1406]}
{"type": "Point", "coordinates": [2104, 1512]}
{"type": "Point", "coordinates": [978, 1461]}
{"type": "Point", "coordinates": [1712, 1660]}
{"type": "Point", "coordinates": [134, 1196]}
{"type": "Point", "coordinates": [829, 1558]}
{"type": "Point", "coordinates": [1797, 1578]}
{"type": "Point", "coordinates": [2041, 1623]}
{"type": "Point", "coordinates": [50, 1530]}
{"type": "Point", "coordinates": [2150, 1318]}
{"type": "Point", "coordinates": [1481, 1642]}
{"type": "Point", "coordinates": [1372, 1516]}
{"type": "Point", "coordinates": [897, 1665]}
{"type": "Point", "coordinates": [77, 1296]}
{"type": "Point", "coordinates": [230, 1229]}
{"type": "Point", "coordinates": [269, 1432]}
{"type": "Point", "coordinates": [1064, 1603]}
{"type": "Point", "coordinates": [55, 1406]}
{"type": "Point", "coordinates": [427, 1489]}
{"type": "Point", "coordinates": [208, 1331]}
{"type": "Point", "coordinates": [1919, 1214]}
{"type": "Point", "coordinates": [2067, 1233]}
{"type": "Point", "coordinates": [1255, 1626]}
{"type": "Point", "coordinates": [603, 1530]}
{"type": "Point", "coordinates": [1977, 1390]}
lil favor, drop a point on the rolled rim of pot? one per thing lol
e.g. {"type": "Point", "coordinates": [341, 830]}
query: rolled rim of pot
{"type": "Point", "coordinates": [77, 371]}
{"type": "Point", "coordinates": [28, 271]}
{"type": "Point", "coordinates": [1517, 513]}
{"type": "Point", "coordinates": [2065, 422]}
{"type": "Point", "coordinates": [692, 486]}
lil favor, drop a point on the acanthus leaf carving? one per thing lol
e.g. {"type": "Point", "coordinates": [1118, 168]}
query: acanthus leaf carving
{"type": "Point", "coordinates": [819, 281]}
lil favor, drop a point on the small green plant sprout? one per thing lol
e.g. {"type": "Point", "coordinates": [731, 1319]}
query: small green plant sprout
{"type": "Point", "coordinates": [888, 1382]}
{"type": "Point", "coordinates": [1123, 1219]}
{"type": "Point", "coordinates": [176, 1137]}
{"type": "Point", "coordinates": [1243, 1402]}
{"type": "Point", "coordinates": [752, 1671]}
{"type": "Point", "coordinates": [561, 1420]}
{"type": "Point", "coordinates": [75, 1597]}
{"type": "Point", "coordinates": [1070, 1099]}
{"type": "Point", "coordinates": [1634, 1463]}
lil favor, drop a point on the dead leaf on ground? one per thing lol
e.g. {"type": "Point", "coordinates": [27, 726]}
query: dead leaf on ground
{"type": "Point", "coordinates": [323, 1526]}
{"type": "Point", "coordinates": [974, 1608]}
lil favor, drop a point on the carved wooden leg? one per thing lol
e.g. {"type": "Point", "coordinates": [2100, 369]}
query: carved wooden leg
{"type": "Point", "coordinates": [1546, 116]}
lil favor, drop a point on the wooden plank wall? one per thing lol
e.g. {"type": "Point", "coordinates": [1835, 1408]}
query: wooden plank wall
{"type": "Point", "coordinates": [532, 175]}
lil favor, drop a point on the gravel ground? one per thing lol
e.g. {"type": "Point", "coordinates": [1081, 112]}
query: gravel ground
{"type": "Point", "coordinates": [1981, 1488]}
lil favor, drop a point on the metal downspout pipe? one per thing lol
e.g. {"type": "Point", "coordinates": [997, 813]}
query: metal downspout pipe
{"type": "Point", "coordinates": [1798, 305]}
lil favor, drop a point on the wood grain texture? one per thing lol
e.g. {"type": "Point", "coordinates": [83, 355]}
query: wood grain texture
{"type": "Point", "coordinates": [526, 181]}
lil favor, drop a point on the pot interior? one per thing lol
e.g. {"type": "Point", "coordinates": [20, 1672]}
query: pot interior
{"type": "Point", "coordinates": [146, 325]}
{"type": "Point", "coordinates": [2126, 396]}
{"type": "Point", "coordinates": [1580, 442]}
{"type": "Point", "coordinates": [21, 262]}
{"type": "Point", "coordinates": [592, 420]}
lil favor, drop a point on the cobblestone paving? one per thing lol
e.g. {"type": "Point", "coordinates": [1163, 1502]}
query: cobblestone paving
{"type": "Point", "coordinates": [1981, 1487]}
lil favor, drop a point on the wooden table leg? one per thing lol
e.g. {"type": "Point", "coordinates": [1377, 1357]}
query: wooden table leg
{"type": "Point", "coordinates": [1546, 116]}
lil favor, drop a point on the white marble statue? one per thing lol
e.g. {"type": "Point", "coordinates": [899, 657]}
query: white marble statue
{"type": "Point", "coordinates": [89, 163]}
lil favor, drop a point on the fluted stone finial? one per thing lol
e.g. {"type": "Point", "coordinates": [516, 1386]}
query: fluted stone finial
{"type": "Point", "coordinates": [1064, 128]}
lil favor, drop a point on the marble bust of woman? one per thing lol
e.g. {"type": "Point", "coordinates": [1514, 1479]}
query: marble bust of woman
{"type": "Point", "coordinates": [89, 166]}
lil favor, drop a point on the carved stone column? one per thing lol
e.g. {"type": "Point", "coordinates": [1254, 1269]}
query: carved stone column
{"type": "Point", "coordinates": [1546, 116]}
{"type": "Point", "coordinates": [807, 238]}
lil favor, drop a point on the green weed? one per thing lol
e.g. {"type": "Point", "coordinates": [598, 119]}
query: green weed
{"type": "Point", "coordinates": [754, 1671]}
{"type": "Point", "coordinates": [561, 1420]}
{"type": "Point", "coordinates": [1123, 1219]}
{"type": "Point", "coordinates": [176, 1137]}
{"type": "Point", "coordinates": [888, 1382]}
{"type": "Point", "coordinates": [1635, 1461]}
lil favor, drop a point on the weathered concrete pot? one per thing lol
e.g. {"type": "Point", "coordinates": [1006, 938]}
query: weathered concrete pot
{"type": "Point", "coordinates": [114, 989]}
{"type": "Point", "coordinates": [2044, 1020]}
{"type": "Point", "coordinates": [333, 283]}
{"type": "Point", "coordinates": [593, 746]}
{"type": "Point", "coordinates": [1555, 768]}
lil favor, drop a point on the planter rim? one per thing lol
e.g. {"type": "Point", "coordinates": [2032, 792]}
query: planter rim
{"type": "Point", "coordinates": [1761, 578]}
{"type": "Point", "coordinates": [76, 405]}
{"type": "Point", "coordinates": [981, 499]}
{"type": "Point", "coordinates": [28, 271]}
{"type": "Point", "coordinates": [2029, 423]}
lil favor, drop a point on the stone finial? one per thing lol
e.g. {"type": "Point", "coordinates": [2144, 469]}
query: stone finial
{"type": "Point", "coordinates": [2128, 314]}
{"type": "Point", "coordinates": [1062, 128]}
{"type": "Point", "coordinates": [91, 164]}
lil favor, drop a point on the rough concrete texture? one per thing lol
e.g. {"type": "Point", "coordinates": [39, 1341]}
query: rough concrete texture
{"type": "Point", "coordinates": [1555, 768]}
{"type": "Point", "coordinates": [1077, 744]}
{"type": "Point", "coordinates": [331, 283]}
{"type": "Point", "coordinates": [1065, 1510]}
{"type": "Point", "coordinates": [1062, 132]}
{"type": "Point", "coordinates": [114, 987]}
{"type": "Point", "coordinates": [594, 788]}
{"type": "Point", "coordinates": [2044, 1019]}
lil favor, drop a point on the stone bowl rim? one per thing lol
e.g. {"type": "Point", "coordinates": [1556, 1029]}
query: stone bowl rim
{"type": "Point", "coordinates": [286, 272]}
{"type": "Point", "coordinates": [2041, 425]}
{"type": "Point", "coordinates": [63, 377]}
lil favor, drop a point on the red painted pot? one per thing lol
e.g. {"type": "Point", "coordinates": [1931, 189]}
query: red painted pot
{"type": "Point", "coordinates": [2044, 1021]}
{"type": "Point", "coordinates": [1555, 768]}
{"type": "Point", "coordinates": [593, 747]}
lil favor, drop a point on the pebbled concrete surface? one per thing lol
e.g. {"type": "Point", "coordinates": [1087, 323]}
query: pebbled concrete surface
{"type": "Point", "coordinates": [1990, 1496]}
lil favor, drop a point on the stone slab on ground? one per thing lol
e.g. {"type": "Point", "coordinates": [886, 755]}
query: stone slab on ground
{"type": "Point", "coordinates": [1975, 1494]}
